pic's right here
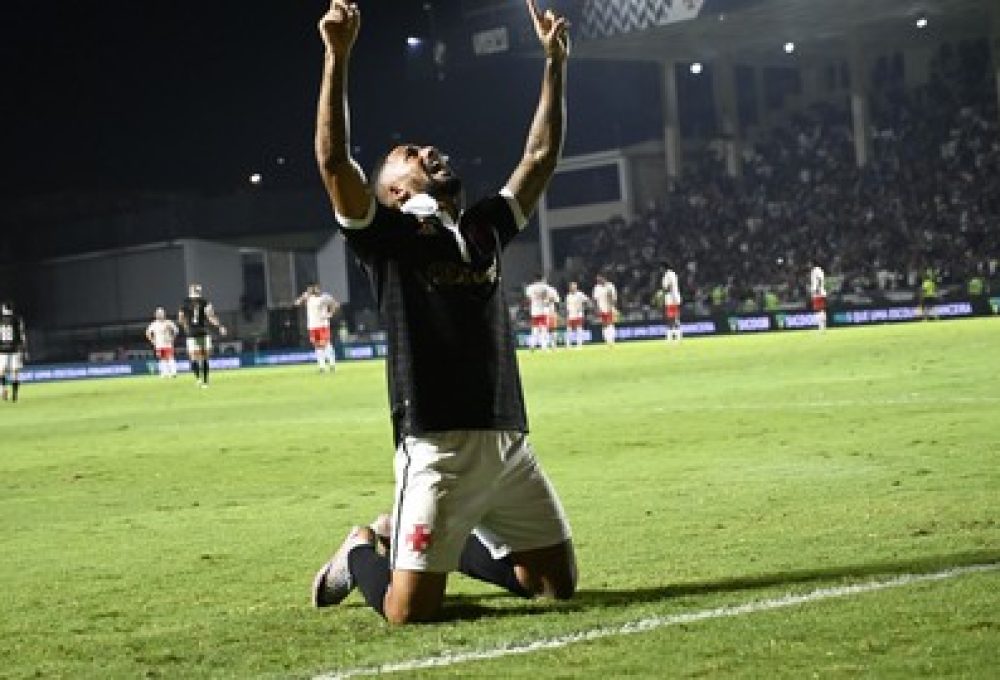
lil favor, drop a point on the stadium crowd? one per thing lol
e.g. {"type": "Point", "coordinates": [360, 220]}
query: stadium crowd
{"type": "Point", "coordinates": [927, 203]}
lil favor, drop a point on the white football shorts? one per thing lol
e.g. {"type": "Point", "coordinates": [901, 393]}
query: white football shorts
{"type": "Point", "coordinates": [199, 343]}
{"type": "Point", "coordinates": [10, 362]}
{"type": "Point", "coordinates": [451, 484]}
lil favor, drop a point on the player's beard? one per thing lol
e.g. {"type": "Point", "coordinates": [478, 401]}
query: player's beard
{"type": "Point", "coordinates": [449, 187]}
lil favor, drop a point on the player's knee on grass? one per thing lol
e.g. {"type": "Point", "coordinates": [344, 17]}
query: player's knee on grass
{"type": "Point", "coordinates": [414, 597]}
{"type": "Point", "coordinates": [548, 572]}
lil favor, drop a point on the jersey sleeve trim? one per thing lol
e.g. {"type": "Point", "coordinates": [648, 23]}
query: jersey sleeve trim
{"type": "Point", "coordinates": [362, 223]}
{"type": "Point", "coordinates": [519, 218]}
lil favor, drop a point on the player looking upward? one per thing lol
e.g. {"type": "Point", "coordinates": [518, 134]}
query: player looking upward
{"type": "Point", "coordinates": [320, 308]}
{"type": "Point", "coordinates": [672, 304]}
{"type": "Point", "coordinates": [606, 297]}
{"type": "Point", "coordinates": [470, 494]}
{"type": "Point", "coordinates": [161, 333]}
{"type": "Point", "coordinates": [13, 344]}
{"type": "Point", "coordinates": [197, 316]}
{"type": "Point", "coordinates": [576, 306]}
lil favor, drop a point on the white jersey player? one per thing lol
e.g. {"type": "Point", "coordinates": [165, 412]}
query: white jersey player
{"type": "Point", "coordinates": [542, 299]}
{"type": "Point", "coordinates": [320, 308]}
{"type": "Point", "coordinates": [606, 298]}
{"type": "Point", "coordinates": [817, 293]}
{"type": "Point", "coordinates": [161, 333]}
{"type": "Point", "coordinates": [576, 307]}
{"type": "Point", "coordinates": [672, 305]}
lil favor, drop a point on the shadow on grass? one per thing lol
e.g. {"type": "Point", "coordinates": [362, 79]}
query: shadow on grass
{"type": "Point", "coordinates": [468, 607]}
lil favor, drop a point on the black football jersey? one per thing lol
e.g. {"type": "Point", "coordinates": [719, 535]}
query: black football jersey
{"type": "Point", "coordinates": [194, 309]}
{"type": "Point", "coordinates": [451, 354]}
{"type": "Point", "coordinates": [11, 333]}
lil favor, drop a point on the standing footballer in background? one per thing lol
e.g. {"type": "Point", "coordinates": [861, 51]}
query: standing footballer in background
{"type": "Point", "coordinates": [542, 300]}
{"type": "Point", "coordinates": [606, 298]}
{"type": "Point", "coordinates": [320, 308]}
{"type": "Point", "coordinates": [817, 293]}
{"type": "Point", "coordinates": [161, 333]}
{"type": "Point", "coordinates": [470, 494]}
{"type": "Point", "coordinates": [13, 343]}
{"type": "Point", "coordinates": [576, 307]}
{"type": "Point", "coordinates": [196, 316]}
{"type": "Point", "coordinates": [672, 304]}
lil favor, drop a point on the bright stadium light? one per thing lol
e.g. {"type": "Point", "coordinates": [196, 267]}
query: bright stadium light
{"type": "Point", "coordinates": [789, 47]}
{"type": "Point", "coordinates": [921, 22]}
{"type": "Point", "coordinates": [696, 67]}
{"type": "Point", "coordinates": [413, 42]}
{"type": "Point", "coordinates": [256, 178]}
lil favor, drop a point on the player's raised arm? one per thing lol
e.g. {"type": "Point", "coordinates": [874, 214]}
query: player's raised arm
{"type": "Point", "coordinates": [343, 178]}
{"type": "Point", "coordinates": [548, 127]}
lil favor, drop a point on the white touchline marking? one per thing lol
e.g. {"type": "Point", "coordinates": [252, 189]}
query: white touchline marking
{"type": "Point", "coordinates": [655, 622]}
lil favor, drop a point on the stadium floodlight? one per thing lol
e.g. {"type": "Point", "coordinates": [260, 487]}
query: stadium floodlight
{"type": "Point", "coordinates": [696, 67]}
{"type": "Point", "coordinates": [921, 22]}
{"type": "Point", "coordinates": [789, 47]}
{"type": "Point", "coordinates": [413, 42]}
{"type": "Point", "coordinates": [256, 178]}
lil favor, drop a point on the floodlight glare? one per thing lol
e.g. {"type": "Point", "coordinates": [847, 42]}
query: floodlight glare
{"type": "Point", "coordinates": [789, 47]}
{"type": "Point", "coordinates": [921, 22]}
{"type": "Point", "coordinates": [413, 42]}
{"type": "Point", "coordinates": [696, 67]}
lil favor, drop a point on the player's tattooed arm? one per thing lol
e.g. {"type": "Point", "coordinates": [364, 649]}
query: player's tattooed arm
{"type": "Point", "coordinates": [341, 174]}
{"type": "Point", "coordinates": [548, 127]}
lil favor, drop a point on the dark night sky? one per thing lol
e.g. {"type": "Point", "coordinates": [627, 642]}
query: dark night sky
{"type": "Point", "coordinates": [193, 95]}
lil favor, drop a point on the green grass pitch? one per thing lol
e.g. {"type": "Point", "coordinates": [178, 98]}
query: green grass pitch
{"type": "Point", "coordinates": [149, 529]}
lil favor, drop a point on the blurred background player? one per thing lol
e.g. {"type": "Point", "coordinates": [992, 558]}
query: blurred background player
{"type": "Point", "coordinates": [672, 304]}
{"type": "Point", "coordinates": [543, 298]}
{"type": "Point", "coordinates": [576, 306]}
{"type": "Point", "coordinates": [928, 294]}
{"type": "Point", "coordinates": [196, 316]}
{"type": "Point", "coordinates": [320, 308]}
{"type": "Point", "coordinates": [817, 289]}
{"type": "Point", "coordinates": [606, 297]}
{"type": "Point", "coordinates": [13, 341]}
{"type": "Point", "coordinates": [161, 333]}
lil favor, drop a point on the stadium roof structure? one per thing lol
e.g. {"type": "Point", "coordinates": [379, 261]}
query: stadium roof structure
{"type": "Point", "coordinates": [748, 30]}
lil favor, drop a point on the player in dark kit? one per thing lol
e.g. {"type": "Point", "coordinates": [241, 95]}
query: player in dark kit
{"type": "Point", "coordinates": [470, 494]}
{"type": "Point", "coordinates": [13, 341]}
{"type": "Point", "coordinates": [196, 316]}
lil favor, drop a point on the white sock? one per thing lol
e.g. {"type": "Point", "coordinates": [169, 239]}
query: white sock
{"type": "Point", "coordinates": [331, 355]}
{"type": "Point", "coordinates": [319, 357]}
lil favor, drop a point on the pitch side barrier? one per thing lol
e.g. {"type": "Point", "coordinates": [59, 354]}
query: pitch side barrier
{"type": "Point", "coordinates": [721, 325]}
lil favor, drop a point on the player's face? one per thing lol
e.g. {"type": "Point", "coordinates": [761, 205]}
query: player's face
{"type": "Point", "coordinates": [160, 314]}
{"type": "Point", "coordinates": [410, 169]}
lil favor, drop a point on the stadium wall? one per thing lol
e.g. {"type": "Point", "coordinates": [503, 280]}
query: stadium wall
{"type": "Point", "coordinates": [107, 287]}
{"type": "Point", "coordinates": [215, 266]}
